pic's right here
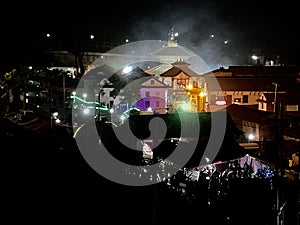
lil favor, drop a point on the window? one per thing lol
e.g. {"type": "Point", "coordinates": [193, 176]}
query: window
{"type": "Point", "coordinates": [229, 99]}
{"type": "Point", "coordinates": [152, 82]}
{"type": "Point", "coordinates": [245, 98]}
{"type": "Point", "coordinates": [220, 100]}
{"type": "Point", "coordinates": [147, 104]}
{"type": "Point", "coordinates": [213, 99]}
{"type": "Point", "coordinates": [147, 94]}
{"type": "Point", "coordinates": [157, 104]}
{"type": "Point", "coordinates": [181, 82]}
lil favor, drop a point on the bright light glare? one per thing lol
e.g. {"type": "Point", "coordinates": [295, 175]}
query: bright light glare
{"type": "Point", "coordinates": [122, 117]}
{"type": "Point", "coordinates": [202, 94]}
{"type": "Point", "coordinates": [251, 136]}
{"type": "Point", "coordinates": [185, 107]}
{"type": "Point", "coordinates": [127, 69]}
{"type": "Point", "coordinates": [254, 57]}
{"type": "Point", "coordinates": [86, 111]}
{"type": "Point", "coordinates": [220, 102]}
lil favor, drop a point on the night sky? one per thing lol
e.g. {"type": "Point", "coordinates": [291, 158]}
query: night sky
{"type": "Point", "coordinates": [239, 28]}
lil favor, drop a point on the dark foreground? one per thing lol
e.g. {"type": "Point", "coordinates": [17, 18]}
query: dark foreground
{"type": "Point", "coordinates": [46, 180]}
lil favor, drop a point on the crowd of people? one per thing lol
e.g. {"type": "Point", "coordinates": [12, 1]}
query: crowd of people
{"type": "Point", "coordinates": [231, 191]}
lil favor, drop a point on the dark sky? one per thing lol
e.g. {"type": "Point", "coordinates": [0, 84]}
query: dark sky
{"type": "Point", "coordinates": [270, 27]}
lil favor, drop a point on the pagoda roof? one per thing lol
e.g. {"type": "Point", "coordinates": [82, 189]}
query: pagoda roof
{"type": "Point", "coordinates": [178, 67]}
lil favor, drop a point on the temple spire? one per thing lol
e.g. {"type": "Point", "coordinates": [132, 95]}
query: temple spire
{"type": "Point", "coordinates": [172, 42]}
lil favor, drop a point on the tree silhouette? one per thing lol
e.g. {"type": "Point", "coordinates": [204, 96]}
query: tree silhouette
{"type": "Point", "coordinates": [128, 84]}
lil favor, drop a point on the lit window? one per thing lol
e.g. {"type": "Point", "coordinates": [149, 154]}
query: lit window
{"type": "Point", "coordinates": [237, 100]}
{"type": "Point", "coordinates": [220, 100]}
{"type": "Point", "coordinates": [181, 82]}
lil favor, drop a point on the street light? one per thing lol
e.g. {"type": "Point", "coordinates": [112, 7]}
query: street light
{"type": "Point", "coordinates": [54, 116]}
{"type": "Point", "coordinates": [254, 57]}
{"type": "Point", "coordinates": [73, 97]}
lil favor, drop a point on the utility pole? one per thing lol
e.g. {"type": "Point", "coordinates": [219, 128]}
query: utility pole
{"type": "Point", "coordinates": [279, 171]}
{"type": "Point", "coordinates": [64, 98]}
{"type": "Point", "coordinates": [275, 96]}
{"type": "Point", "coordinates": [51, 106]}
{"type": "Point", "coordinates": [64, 89]}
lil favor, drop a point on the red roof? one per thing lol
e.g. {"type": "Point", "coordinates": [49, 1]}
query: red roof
{"type": "Point", "coordinates": [257, 71]}
{"type": "Point", "coordinates": [247, 83]}
{"type": "Point", "coordinates": [248, 114]}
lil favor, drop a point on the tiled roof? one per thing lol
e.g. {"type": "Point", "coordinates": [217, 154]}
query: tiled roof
{"type": "Point", "coordinates": [174, 71]}
{"type": "Point", "coordinates": [262, 70]}
{"type": "Point", "coordinates": [248, 114]}
{"type": "Point", "coordinates": [178, 67]}
{"type": "Point", "coordinates": [182, 65]}
{"type": "Point", "coordinates": [256, 71]}
{"type": "Point", "coordinates": [247, 83]}
{"type": "Point", "coordinates": [178, 50]}
{"type": "Point", "coordinates": [104, 70]}
{"type": "Point", "coordinates": [159, 69]}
